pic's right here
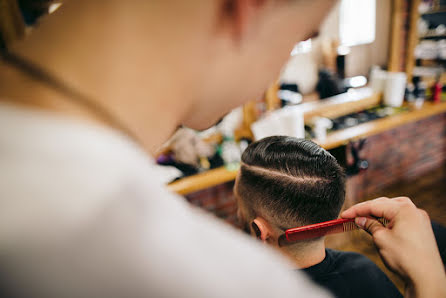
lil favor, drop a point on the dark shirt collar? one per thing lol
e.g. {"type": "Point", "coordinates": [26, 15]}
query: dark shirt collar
{"type": "Point", "coordinates": [323, 267]}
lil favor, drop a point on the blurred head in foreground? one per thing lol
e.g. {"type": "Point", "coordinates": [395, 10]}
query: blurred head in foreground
{"type": "Point", "coordinates": [285, 182]}
{"type": "Point", "coordinates": [164, 62]}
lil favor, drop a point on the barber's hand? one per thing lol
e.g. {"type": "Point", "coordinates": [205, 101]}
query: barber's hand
{"type": "Point", "coordinates": [407, 245]}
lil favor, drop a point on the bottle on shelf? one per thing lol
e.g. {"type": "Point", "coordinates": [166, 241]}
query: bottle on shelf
{"type": "Point", "coordinates": [436, 91]}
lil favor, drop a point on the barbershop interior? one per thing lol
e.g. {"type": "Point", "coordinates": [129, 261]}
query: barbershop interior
{"type": "Point", "coordinates": [357, 112]}
{"type": "Point", "coordinates": [339, 90]}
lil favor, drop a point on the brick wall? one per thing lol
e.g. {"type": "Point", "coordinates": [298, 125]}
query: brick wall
{"type": "Point", "coordinates": [219, 200]}
{"type": "Point", "coordinates": [405, 152]}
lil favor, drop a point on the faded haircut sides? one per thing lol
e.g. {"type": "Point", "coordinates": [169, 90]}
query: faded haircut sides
{"type": "Point", "coordinates": [292, 182]}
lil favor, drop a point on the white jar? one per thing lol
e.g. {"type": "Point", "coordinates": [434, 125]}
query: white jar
{"type": "Point", "coordinates": [394, 89]}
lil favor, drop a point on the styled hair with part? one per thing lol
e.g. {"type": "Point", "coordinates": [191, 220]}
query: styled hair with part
{"type": "Point", "coordinates": [291, 182]}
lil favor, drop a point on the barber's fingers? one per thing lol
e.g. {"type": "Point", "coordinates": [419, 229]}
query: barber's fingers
{"type": "Point", "coordinates": [370, 225]}
{"type": "Point", "coordinates": [380, 207]}
{"type": "Point", "coordinates": [372, 208]}
{"type": "Point", "coordinates": [404, 200]}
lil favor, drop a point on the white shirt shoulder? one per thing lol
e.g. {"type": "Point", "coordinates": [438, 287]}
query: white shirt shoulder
{"type": "Point", "coordinates": [83, 214]}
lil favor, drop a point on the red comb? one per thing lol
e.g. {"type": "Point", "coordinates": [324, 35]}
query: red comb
{"type": "Point", "coordinates": [320, 229]}
{"type": "Point", "coordinates": [324, 228]}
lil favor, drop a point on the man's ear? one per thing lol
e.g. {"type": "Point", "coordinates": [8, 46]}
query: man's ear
{"type": "Point", "coordinates": [262, 229]}
{"type": "Point", "coordinates": [237, 15]}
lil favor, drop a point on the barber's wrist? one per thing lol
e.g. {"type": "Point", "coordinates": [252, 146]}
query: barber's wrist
{"type": "Point", "coordinates": [430, 283]}
{"type": "Point", "coordinates": [421, 291]}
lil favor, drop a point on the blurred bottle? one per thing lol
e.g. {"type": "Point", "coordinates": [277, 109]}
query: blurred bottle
{"type": "Point", "coordinates": [410, 93]}
{"type": "Point", "coordinates": [436, 91]}
{"type": "Point", "coordinates": [329, 84]}
{"type": "Point", "coordinates": [419, 92]}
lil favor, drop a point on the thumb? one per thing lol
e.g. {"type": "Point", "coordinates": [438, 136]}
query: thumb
{"type": "Point", "coordinates": [370, 225]}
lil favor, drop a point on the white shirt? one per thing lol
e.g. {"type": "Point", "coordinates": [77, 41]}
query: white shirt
{"type": "Point", "coordinates": [83, 214]}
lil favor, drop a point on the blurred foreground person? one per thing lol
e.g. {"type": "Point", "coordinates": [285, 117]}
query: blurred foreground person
{"type": "Point", "coordinates": [88, 98]}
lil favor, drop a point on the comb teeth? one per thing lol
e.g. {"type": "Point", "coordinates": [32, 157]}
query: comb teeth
{"type": "Point", "coordinates": [350, 226]}
{"type": "Point", "coordinates": [383, 221]}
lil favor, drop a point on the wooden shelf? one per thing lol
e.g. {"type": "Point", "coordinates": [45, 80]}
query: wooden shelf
{"type": "Point", "coordinates": [433, 37]}
{"type": "Point", "coordinates": [335, 139]}
{"type": "Point", "coordinates": [367, 129]}
{"type": "Point", "coordinates": [202, 181]}
{"type": "Point", "coordinates": [342, 104]}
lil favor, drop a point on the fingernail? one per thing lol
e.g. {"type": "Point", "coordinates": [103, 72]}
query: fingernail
{"type": "Point", "coordinates": [360, 221]}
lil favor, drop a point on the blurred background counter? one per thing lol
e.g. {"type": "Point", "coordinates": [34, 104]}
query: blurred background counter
{"type": "Point", "coordinates": [370, 89]}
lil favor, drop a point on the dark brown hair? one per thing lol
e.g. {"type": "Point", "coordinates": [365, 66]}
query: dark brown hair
{"type": "Point", "coordinates": [290, 181]}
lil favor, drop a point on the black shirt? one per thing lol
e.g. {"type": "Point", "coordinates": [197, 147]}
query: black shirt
{"type": "Point", "coordinates": [440, 236]}
{"type": "Point", "coordinates": [348, 274]}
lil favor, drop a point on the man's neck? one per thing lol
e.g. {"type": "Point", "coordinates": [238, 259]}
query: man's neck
{"type": "Point", "coordinates": [305, 255]}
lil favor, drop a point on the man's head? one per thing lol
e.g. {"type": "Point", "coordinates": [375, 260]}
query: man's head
{"type": "Point", "coordinates": [285, 182]}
